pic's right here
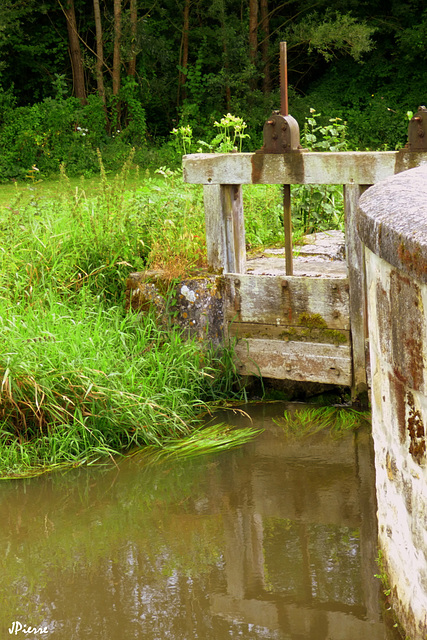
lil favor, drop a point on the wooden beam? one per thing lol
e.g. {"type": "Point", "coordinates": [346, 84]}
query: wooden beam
{"type": "Point", "coordinates": [234, 224]}
{"type": "Point", "coordinates": [303, 361]}
{"type": "Point", "coordinates": [298, 167]}
{"type": "Point", "coordinates": [216, 244]}
{"type": "Point", "coordinates": [225, 228]}
{"type": "Point", "coordinates": [287, 300]}
{"type": "Point", "coordinates": [288, 333]}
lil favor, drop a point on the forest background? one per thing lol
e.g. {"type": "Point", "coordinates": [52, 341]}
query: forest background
{"type": "Point", "coordinates": [77, 75]}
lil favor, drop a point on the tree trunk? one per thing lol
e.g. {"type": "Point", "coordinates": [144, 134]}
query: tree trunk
{"type": "Point", "coordinates": [184, 51]}
{"type": "Point", "coordinates": [226, 59]}
{"type": "Point", "coordinates": [116, 53]}
{"type": "Point", "coordinates": [265, 28]}
{"type": "Point", "coordinates": [99, 54]}
{"type": "Point", "coordinates": [75, 53]}
{"type": "Point", "coordinates": [133, 31]}
{"type": "Point", "coordinates": [253, 35]}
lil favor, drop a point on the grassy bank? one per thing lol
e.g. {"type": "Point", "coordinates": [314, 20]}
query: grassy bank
{"type": "Point", "coordinates": [80, 379]}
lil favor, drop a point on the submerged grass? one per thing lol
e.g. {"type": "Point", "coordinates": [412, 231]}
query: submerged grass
{"type": "Point", "coordinates": [310, 420]}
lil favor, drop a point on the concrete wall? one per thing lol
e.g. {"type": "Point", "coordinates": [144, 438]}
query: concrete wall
{"type": "Point", "coordinates": [392, 223]}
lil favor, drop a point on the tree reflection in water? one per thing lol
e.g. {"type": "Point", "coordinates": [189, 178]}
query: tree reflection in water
{"type": "Point", "coordinates": [275, 540]}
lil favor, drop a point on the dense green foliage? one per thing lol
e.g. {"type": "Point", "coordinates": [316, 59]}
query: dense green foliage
{"type": "Point", "coordinates": [191, 62]}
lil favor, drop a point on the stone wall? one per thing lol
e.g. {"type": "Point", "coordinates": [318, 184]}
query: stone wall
{"type": "Point", "coordinates": [392, 223]}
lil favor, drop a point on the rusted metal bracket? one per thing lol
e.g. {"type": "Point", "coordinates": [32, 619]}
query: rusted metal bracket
{"type": "Point", "coordinates": [281, 131]}
{"type": "Point", "coordinates": [280, 134]}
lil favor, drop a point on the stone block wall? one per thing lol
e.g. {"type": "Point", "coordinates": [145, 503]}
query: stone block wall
{"type": "Point", "coordinates": [392, 223]}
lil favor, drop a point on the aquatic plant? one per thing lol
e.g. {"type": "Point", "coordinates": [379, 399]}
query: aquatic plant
{"type": "Point", "coordinates": [309, 420]}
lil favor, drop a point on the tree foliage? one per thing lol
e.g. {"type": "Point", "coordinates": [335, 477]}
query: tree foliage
{"type": "Point", "coordinates": [148, 66]}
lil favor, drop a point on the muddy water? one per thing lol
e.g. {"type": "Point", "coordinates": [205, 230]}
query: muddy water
{"type": "Point", "coordinates": [275, 540]}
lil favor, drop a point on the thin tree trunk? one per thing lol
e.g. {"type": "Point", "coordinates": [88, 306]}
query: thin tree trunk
{"type": "Point", "coordinates": [133, 31]}
{"type": "Point", "coordinates": [265, 28]}
{"type": "Point", "coordinates": [75, 53]}
{"type": "Point", "coordinates": [253, 34]}
{"type": "Point", "coordinates": [116, 53]}
{"type": "Point", "coordinates": [99, 54]}
{"type": "Point", "coordinates": [184, 52]}
{"type": "Point", "coordinates": [226, 61]}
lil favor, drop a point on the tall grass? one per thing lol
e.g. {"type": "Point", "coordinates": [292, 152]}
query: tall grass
{"type": "Point", "coordinates": [80, 379]}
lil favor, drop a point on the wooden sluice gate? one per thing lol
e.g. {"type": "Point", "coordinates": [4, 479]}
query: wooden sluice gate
{"type": "Point", "coordinates": [309, 326]}
{"type": "Point", "coordinates": [306, 325]}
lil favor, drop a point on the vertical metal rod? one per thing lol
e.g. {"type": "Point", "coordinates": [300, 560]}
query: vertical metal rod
{"type": "Point", "coordinates": [287, 221]}
{"type": "Point", "coordinates": [283, 79]}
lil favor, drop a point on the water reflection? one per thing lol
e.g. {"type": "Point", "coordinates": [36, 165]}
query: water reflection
{"type": "Point", "coordinates": [276, 540]}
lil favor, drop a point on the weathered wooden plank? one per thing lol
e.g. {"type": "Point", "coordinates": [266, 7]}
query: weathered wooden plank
{"type": "Point", "coordinates": [304, 361]}
{"type": "Point", "coordinates": [225, 228]}
{"type": "Point", "coordinates": [287, 300]}
{"type": "Point", "coordinates": [232, 212]}
{"type": "Point", "coordinates": [216, 244]}
{"type": "Point", "coordinates": [357, 290]}
{"type": "Point", "coordinates": [305, 167]}
{"type": "Point", "coordinates": [294, 333]}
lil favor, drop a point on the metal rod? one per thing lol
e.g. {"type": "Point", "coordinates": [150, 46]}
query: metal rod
{"type": "Point", "coordinates": [283, 79]}
{"type": "Point", "coordinates": [287, 221]}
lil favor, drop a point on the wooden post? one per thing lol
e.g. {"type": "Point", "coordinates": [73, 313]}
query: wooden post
{"type": "Point", "coordinates": [232, 213]}
{"type": "Point", "coordinates": [225, 228]}
{"type": "Point", "coordinates": [215, 230]}
{"type": "Point", "coordinates": [357, 291]}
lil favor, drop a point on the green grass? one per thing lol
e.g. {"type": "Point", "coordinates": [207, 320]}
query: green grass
{"type": "Point", "coordinates": [79, 378]}
{"type": "Point", "coordinates": [81, 382]}
{"type": "Point", "coordinates": [310, 420]}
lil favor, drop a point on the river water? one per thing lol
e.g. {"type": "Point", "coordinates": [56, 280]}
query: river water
{"type": "Point", "coordinates": [274, 540]}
